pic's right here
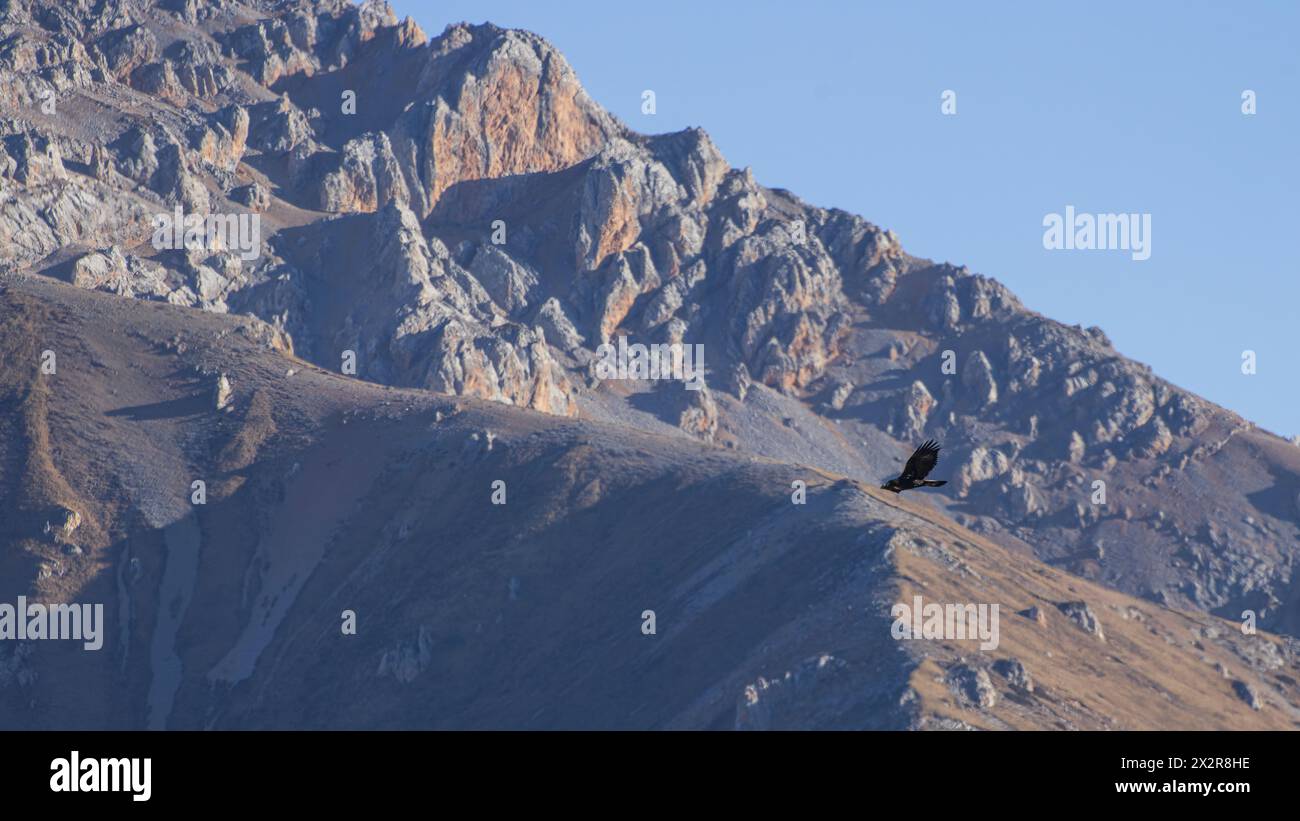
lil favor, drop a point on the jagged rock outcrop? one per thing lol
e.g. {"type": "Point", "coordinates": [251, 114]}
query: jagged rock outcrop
{"type": "Point", "coordinates": [429, 322]}
{"type": "Point", "coordinates": [190, 73]}
{"type": "Point", "coordinates": [491, 103]}
{"type": "Point", "coordinates": [31, 159]}
{"type": "Point", "coordinates": [511, 286]}
{"type": "Point", "coordinates": [127, 49]}
{"type": "Point", "coordinates": [978, 379]}
{"type": "Point", "coordinates": [253, 195]}
{"type": "Point", "coordinates": [915, 410]}
{"type": "Point", "coordinates": [164, 165]}
{"type": "Point", "coordinates": [279, 127]}
{"type": "Point", "coordinates": [700, 416]}
{"type": "Point", "coordinates": [100, 270]}
{"type": "Point", "coordinates": [559, 329]}
{"type": "Point", "coordinates": [221, 142]}
{"type": "Point", "coordinates": [365, 178]}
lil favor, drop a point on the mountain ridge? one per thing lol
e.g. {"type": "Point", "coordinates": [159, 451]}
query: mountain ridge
{"type": "Point", "coordinates": [529, 614]}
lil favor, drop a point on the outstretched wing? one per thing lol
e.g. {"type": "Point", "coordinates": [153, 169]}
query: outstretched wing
{"type": "Point", "coordinates": [922, 462]}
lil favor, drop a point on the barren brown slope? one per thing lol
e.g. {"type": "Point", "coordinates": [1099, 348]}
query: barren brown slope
{"type": "Point", "coordinates": [326, 494]}
{"type": "Point", "coordinates": [1146, 667]}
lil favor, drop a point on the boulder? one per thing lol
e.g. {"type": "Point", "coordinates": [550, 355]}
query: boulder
{"type": "Point", "coordinates": [1013, 670]}
{"type": "Point", "coordinates": [972, 686]}
{"type": "Point", "coordinates": [1081, 614]}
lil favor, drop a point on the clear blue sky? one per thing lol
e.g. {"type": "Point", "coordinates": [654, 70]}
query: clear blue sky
{"type": "Point", "coordinates": [1106, 106]}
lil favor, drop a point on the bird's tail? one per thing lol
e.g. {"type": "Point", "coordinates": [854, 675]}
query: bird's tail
{"type": "Point", "coordinates": [935, 482]}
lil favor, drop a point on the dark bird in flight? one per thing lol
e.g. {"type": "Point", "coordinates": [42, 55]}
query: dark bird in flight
{"type": "Point", "coordinates": [918, 467]}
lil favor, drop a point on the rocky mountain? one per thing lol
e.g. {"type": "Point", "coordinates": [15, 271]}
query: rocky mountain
{"type": "Point", "coordinates": [400, 219]}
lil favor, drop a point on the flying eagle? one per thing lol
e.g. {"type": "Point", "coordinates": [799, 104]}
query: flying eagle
{"type": "Point", "coordinates": [918, 467]}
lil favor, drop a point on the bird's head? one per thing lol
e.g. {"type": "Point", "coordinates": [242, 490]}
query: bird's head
{"type": "Point", "coordinates": [892, 484]}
